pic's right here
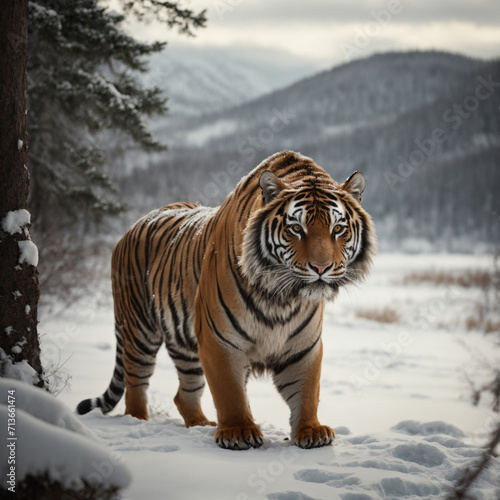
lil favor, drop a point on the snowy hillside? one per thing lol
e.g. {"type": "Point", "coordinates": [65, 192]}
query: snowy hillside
{"type": "Point", "coordinates": [200, 80]}
{"type": "Point", "coordinates": [46, 445]}
{"type": "Point", "coordinates": [424, 128]}
{"type": "Point", "coordinates": [394, 386]}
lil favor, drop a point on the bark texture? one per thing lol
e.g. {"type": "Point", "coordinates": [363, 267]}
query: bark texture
{"type": "Point", "coordinates": [19, 290]}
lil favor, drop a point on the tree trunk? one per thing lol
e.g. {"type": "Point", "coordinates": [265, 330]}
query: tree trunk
{"type": "Point", "coordinates": [19, 290]}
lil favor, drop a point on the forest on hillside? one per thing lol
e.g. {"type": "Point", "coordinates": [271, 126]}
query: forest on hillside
{"type": "Point", "coordinates": [424, 127]}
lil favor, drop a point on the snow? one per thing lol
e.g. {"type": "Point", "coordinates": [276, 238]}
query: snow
{"type": "Point", "coordinates": [49, 441]}
{"type": "Point", "coordinates": [40, 403]}
{"type": "Point", "coordinates": [18, 371]}
{"type": "Point", "coordinates": [99, 84]}
{"type": "Point", "coordinates": [407, 430]}
{"type": "Point", "coordinates": [19, 144]}
{"type": "Point", "coordinates": [414, 428]}
{"type": "Point", "coordinates": [15, 221]}
{"type": "Point", "coordinates": [29, 253]}
{"type": "Point", "coordinates": [202, 135]}
{"type": "Point", "coordinates": [198, 217]}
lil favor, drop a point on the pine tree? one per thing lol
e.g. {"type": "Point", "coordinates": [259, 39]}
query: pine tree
{"type": "Point", "coordinates": [82, 84]}
{"type": "Point", "coordinates": [19, 346]}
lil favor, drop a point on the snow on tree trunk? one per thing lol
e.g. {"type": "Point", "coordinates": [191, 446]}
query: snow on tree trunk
{"type": "Point", "coordinates": [19, 290]}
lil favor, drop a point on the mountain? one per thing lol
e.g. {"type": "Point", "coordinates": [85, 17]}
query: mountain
{"type": "Point", "coordinates": [424, 128]}
{"type": "Point", "coordinates": [200, 80]}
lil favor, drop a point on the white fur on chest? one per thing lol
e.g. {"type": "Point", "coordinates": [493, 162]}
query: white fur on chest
{"type": "Point", "coordinates": [275, 341]}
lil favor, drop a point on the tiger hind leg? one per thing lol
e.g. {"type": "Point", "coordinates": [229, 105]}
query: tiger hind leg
{"type": "Point", "coordinates": [140, 348]}
{"type": "Point", "coordinates": [191, 386]}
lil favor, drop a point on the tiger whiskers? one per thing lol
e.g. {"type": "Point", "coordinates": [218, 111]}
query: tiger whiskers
{"type": "Point", "coordinates": [285, 285]}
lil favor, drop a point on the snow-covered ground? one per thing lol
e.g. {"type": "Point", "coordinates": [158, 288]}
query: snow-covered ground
{"type": "Point", "coordinates": [44, 437]}
{"type": "Point", "coordinates": [396, 393]}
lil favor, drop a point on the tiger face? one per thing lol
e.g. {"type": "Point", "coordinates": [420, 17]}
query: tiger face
{"type": "Point", "coordinates": [308, 239]}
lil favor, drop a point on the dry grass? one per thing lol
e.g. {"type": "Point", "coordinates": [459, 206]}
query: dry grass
{"type": "Point", "coordinates": [71, 270]}
{"type": "Point", "coordinates": [486, 318]}
{"type": "Point", "coordinates": [467, 279]}
{"type": "Point", "coordinates": [478, 322]}
{"type": "Point", "coordinates": [486, 281]}
{"type": "Point", "coordinates": [473, 323]}
{"type": "Point", "coordinates": [385, 315]}
{"type": "Point", "coordinates": [491, 326]}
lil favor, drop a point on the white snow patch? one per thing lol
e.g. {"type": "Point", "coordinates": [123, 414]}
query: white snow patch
{"type": "Point", "coordinates": [65, 456]}
{"type": "Point", "coordinates": [428, 429]}
{"type": "Point", "coordinates": [198, 216]}
{"type": "Point", "coordinates": [423, 454]}
{"type": "Point", "coordinates": [27, 309]}
{"type": "Point", "coordinates": [16, 349]}
{"type": "Point", "coordinates": [20, 144]}
{"type": "Point", "coordinates": [8, 330]}
{"type": "Point", "coordinates": [16, 220]}
{"type": "Point", "coordinates": [205, 133]}
{"type": "Point", "coordinates": [17, 294]}
{"type": "Point", "coordinates": [392, 431]}
{"type": "Point", "coordinates": [29, 253]}
{"type": "Point", "coordinates": [19, 371]}
{"type": "Point", "coordinates": [38, 402]}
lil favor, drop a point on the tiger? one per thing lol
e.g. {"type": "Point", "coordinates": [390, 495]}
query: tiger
{"type": "Point", "coordinates": [238, 290]}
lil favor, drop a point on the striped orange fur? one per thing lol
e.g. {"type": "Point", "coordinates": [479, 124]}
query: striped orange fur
{"type": "Point", "coordinates": [239, 289]}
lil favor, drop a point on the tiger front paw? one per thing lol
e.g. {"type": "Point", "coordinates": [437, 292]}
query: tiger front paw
{"type": "Point", "coordinates": [239, 438]}
{"type": "Point", "coordinates": [314, 437]}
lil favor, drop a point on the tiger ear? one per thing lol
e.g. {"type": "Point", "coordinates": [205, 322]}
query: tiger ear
{"type": "Point", "coordinates": [355, 185]}
{"type": "Point", "coordinates": [271, 186]}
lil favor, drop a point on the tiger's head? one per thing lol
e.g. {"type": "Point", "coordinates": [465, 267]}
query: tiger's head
{"type": "Point", "coordinates": [310, 237]}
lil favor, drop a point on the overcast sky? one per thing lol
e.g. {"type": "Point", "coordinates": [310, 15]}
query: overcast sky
{"type": "Point", "coordinates": [329, 32]}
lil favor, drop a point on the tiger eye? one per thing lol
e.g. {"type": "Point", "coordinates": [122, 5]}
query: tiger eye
{"type": "Point", "coordinates": [337, 228]}
{"type": "Point", "coordinates": [297, 228]}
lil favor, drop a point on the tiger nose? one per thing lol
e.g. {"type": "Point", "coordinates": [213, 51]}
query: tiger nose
{"type": "Point", "coordinates": [320, 268]}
